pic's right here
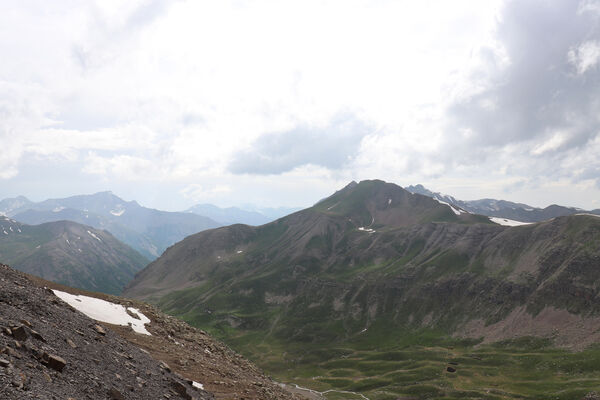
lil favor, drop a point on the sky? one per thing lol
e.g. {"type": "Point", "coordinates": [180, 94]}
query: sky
{"type": "Point", "coordinates": [280, 103]}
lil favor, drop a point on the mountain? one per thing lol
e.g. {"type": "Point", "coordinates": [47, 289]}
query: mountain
{"type": "Point", "coordinates": [51, 349]}
{"type": "Point", "coordinates": [69, 253]}
{"type": "Point", "coordinates": [147, 230]}
{"type": "Point", "coordinates": [229, 215]}
{"type": "Point", "coordinates": [373, 268]}
{"type": "Point", "coordinates": [9, 206]}
{"type": "Point", "coordinates": [502, 208]}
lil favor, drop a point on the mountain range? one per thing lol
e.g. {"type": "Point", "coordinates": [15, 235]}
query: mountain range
{"type": "Point", "coordinates": [374, 266]}
{"type": "Point", "coordinates": [502, 208]}
{"type": "Point", "coordinates": [69, 253]}
{"type": "Point", "coordinates": [147, 230]}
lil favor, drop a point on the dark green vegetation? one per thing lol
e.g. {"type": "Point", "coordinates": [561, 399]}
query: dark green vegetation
{"type": "Point", "coordinates": [147, 230]}
{"type": "Point", "coordinates": [69, 253]}
{"type": "Point", "coordinates": [374, 270]}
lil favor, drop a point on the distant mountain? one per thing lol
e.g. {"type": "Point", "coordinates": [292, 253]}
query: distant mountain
{"type": "Point", "coordinates": [502, 208]}
{"type": "Point", "coordinates": [9, 206]}
{"type": "Point", "coordinates": [229, 215]}
{"type": "Point", "coordinates": [147, 230]}
{"type": "Point", "coordinates": [69, 253]}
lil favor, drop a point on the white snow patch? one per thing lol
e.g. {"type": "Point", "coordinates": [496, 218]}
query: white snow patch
{"type": "Point", "coordinates": [362, 228]}
{"type": "Point", "coordinates": [105, 311]}
{"type": "Point", "coordinates": [58, 209]}
{"type": "Point", "coordinates": [197, 385]}
{"type": "Point", "coordinates": [38, 246]}
{"type": "Point", "coordinates": [389, 201]}
{"type": "Point", "coordinates": [329, 208]}
{"type": "Point", "coordinates": [240, 251]}
{"type": "Point", "coordinates": [454, 209]}
{"type": "Point", "coordinates": [94, 236]}
{"type": "Point", "coordinates": [6, 233]}
{"type": "Point", "coordinates": [508, 222]}
{"type": "Point", "coordinates": [19, 229]}
{"type": "Point", "coordinates": [117, 213]}
{"type": "Point", "coordinates": [11, 229]}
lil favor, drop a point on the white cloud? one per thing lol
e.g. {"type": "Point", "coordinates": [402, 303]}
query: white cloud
{"type": "Point", "coordinates": [585, 56]}
{"type": "Point", "coordinates": [172, 92]}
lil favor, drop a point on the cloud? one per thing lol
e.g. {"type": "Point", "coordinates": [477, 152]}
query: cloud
{"type": "Point", "coordinates": [333, 146]}
{"type": "Point", "coordinates": [197, 192]}
{"type": "Point", "coordinates": [539, 95]}
{"type": "Point", "coordinates": [585, 56]}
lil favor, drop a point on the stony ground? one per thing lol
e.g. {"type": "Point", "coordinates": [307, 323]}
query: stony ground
{"type": "Point", "coordinates": [192, 353]}
{"type": "Point", "coordinates": [50, 351]}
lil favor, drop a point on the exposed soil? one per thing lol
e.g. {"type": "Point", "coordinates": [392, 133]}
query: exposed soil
{"type": "Point", "coordinates": [565, 329]}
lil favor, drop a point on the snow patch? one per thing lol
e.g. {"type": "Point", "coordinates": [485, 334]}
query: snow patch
{"type": "Point", "coordinates": [508, 222]}
{"type": "Point", "coordinates": [117, 213]}
{"type": "Point", "coordinates": [454, 209]}
{"type": "Point", "coordinates": [369, 230]}
{"type": "Point", "coordinates": [240, 251]}
{"type": "Point", "coordinates": [105, 311]}
{"type": "Point", "coordinates": [197, 385]}
{"type": "Point", "coordinates": [389, 201]}
{"type": "Point", "coordinates": [94, 236]}
{"type": "Point", "coordinates": [58, 209]}
{"type": "Point", "coordinates": [6, 233]}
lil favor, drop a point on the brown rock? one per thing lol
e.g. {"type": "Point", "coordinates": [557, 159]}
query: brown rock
{"type": "Point", "coordinates": [100, 329]}
{"type": "Point", "coordinates": [55, 362]}
{"type": "Point", "coordinates": [20, 333]}
{"type": "Point", "coordinates": [4, 363]}
{"type": "Point", "coordinates": [114, 394]}
{"type": "Point", "coordinates": [181, 389]}
{"type": "Point", "coordinates": [450, 369]}
{"type": "Point", "coordinates": [71, 343]}
{"type": "Point", "coordinates": [37, 336]}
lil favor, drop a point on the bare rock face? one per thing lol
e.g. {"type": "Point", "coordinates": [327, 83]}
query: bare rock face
{"type": "Point", "coordinates": [50, 351]}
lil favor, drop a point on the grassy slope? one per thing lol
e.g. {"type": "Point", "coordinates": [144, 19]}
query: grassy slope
{"type": "Point", "coordinates": [296, 295]}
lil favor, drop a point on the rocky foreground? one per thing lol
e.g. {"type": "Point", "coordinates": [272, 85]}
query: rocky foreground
{"type": "Point", "coordinates": [48, 350]}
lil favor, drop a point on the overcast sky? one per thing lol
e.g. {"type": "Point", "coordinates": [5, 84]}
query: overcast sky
{"type": "Point", "coordinates": [280, 103]}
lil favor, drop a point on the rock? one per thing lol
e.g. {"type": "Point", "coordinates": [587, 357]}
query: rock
{"type": "Point", "coordinates": [114, 394]}
{"type": "Point", "coordinates": [71, 343]}
{"type": "Point", "coordinates": [55, 362]}
{"type": "Point", "coordinates": [450, 369]}
{"type": "Point", "coordinates": [20, 333]}
{"type": "Point", "coordinates": [181, 389]}
{"type": "Point", "coordinates": [165, 366]}
{"type": "Point", "coordinates": [37, 335]}
{"type": "Point", "coordinates": [99, 329]}
{"type": "Point", "coordinates": [4, 363]}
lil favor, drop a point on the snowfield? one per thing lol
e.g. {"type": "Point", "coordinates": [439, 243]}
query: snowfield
{"type": "Point", "coordinates": [508, 222]}
{"type": "Point", "coordinates": [105, 311]}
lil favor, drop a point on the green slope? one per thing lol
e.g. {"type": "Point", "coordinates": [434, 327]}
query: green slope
{"type": "Point", "coordinates": [372, 269]}
{"type": "Point", "coordinates": [69, 253]}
